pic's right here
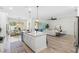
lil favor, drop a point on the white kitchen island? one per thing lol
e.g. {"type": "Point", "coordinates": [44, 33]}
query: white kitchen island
{"type": "Point", "coordinates": [36, 41]}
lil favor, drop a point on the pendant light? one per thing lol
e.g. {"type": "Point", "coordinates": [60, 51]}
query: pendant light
{"type": "Point", "coordinates": [37, 21]}
{"type": "Point", "coordinates": [29, 21]}
{"type": "Point", "coordinates": [37, 18]}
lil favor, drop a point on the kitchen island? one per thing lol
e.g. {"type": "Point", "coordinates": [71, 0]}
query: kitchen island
{"type": "Point", "coordinates": [36, 41]}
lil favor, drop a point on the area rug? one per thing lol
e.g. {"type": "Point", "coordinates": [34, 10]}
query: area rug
{"type": "Point", "coordinates": [17, 47]}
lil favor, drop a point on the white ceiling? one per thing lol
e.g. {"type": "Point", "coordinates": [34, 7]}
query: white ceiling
{"type": "Point", "coordinates": [44, 11]}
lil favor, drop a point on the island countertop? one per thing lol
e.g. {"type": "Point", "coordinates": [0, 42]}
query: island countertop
{"type": "Point", "coordinates": [35, 33]}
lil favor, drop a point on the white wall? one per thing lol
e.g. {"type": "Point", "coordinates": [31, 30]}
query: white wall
{"type": "Point", "coordinates": [67, 24]}
{"type": "Point", "coordinates": [3, 22]}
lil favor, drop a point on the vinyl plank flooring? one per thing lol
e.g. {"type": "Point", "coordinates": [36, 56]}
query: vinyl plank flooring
{"type": "Point", "coordinates": [62, 44]}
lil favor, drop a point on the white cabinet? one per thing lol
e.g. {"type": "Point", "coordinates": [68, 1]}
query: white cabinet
{"type": "Point", "coordinates": [1, 48]}
{"type": "Point", "coordinates": [36, 42]}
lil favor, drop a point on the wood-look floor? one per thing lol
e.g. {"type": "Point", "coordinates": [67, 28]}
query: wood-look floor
{"type": "Point", "coordinates": [63, 44]}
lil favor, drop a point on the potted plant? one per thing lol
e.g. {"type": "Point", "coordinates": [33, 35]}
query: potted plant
{"type": "Point", "coordinates": [47, 26]}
